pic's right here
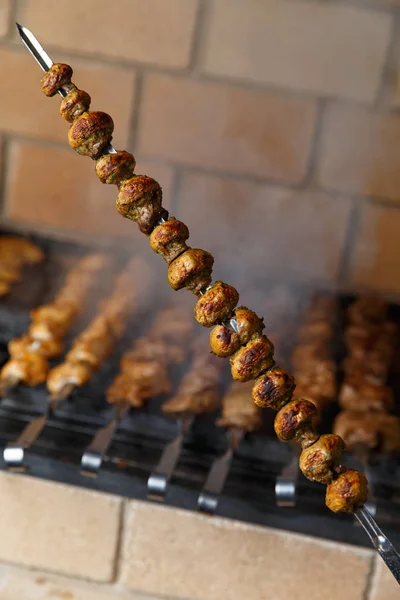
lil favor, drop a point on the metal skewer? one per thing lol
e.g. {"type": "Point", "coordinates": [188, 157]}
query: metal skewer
{"type": "Point", "coordinates": [92, 458]}
{"type": "Point", "coordinates": [14, 452]}
{"type": "Point", "coordinates": [286, 482]}
{"type": "Point", "coordinates": [171, 453]}
{"type": "Point", "coordinates": [209, 496]}
{"type": "Point", "coordinates": [157, 483]}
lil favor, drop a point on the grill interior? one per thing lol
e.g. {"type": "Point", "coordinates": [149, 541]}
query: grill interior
{"type": "Point", "coordinates": [138, 443]}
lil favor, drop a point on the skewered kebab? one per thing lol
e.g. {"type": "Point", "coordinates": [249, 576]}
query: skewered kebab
{"type": "Point", "coordinates": [238, 417]}
{"type": "Point", "coordinates": [139, 199]}
{"type": "Point", "coordinates": [97, 342]}
{"type": "Point", "coordinates": [87, 354]}
{"type": "Point", "coordinates": [15, 253]}
{"type": "Point", "coordinates": [364, 423]}
{"type": "Point", "coordinates": [198, 393]}
{"type": "Point", "coordinates": [144, 374]}
{"type": "Point", "coordinates": [30, 353]}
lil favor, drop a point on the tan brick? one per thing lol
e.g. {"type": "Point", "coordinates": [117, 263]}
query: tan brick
{"type": "Point", "coordinates": [302, 45]}
{"type": "Point", "coordinates": [58, 188]}
{"type": "Point", "coordinates": [226, 128]}
{"type": "Point", "coordinates": [253, 228]}
{"type": "Point", "coordinates": [5, 8]}
{"type": "Point", "coordinates": [57, 527]}
{"type": "Point", "coordinates": [20, 584]}
{"type": "Point", "coordinates": [25, 110]}
{"type": "Point", "coordinates": [154, 31]}
{"type": "Point", "coordinates": [186, 555]}
{"type": "Point", "coordinates": [360, 153]}
{"type": "Point", "coordinates": [384, 585]}
{"type": "Point", "coordinates": [376, 258]}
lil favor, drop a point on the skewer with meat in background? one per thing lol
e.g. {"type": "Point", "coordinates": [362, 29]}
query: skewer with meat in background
{"type": "Point", "coordinates": [364, 422]}
{"type": "Point", "coordinates": [140, 199]}
{"type": "Point", "coordinates": [198, 393]}
{"type": "Point", "coordinates": [239, 416]}
{"type": "Point", "coordinates": [144, 374]}
{"type": "Point", "coordinates": [15, 254]}
{"type": "Point", "coordinates": [30, 354]}
{"type": "Point", "coordinates": [315, 374]}
{"type": "Point", "coordinates": [88, 352]}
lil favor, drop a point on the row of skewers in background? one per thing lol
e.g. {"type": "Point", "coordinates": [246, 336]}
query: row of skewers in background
{"type": "Point", "coordinates": [16, 253]}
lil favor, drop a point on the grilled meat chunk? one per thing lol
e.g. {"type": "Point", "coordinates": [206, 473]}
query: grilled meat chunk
{"type": "Point", "coordinates": [75, 103]}
{"type": "Point", "coordinates": [192, 270]}
{"type": "Point", "coordinates": [139, 199]}
{"type": "Point", "coordinates": [124, 390]}
{"type": "Point", "coordinates": [49, 348]}
{"type": "Point", "coordinates": [5, 288]}
{"type": "Point", "coordinates": [361, 395]}
{"type": "Point", "coordinates": [56, 77]}
{"type": "Point", "coordinates": [91, 133]}
{"type": "Point", "coordinates": [223, 341]}
{"type": "Point", "coordinates": [237, 411]}
{"type": "Point", "coordinates": [378, 431]}
{"type": "Point", "coordinates": [368, 310]}
{"type": "Point", "coordinates": [317, 462]}
{"type": "Point", "coordinates": [252, 359]}
{"type": "Point", "coordinates": [320, 330]}
{"type": "Point", "coordinates": [30, 368]}
{"type": "Point", "coordinates": [216, 304]}
{"type": "Point", "coordinates": [294, 421]}
{"type": "Point", "coordinates": [348, 492]}
{"type": "Point", "coordinates": [115, 168]}
{"type": "Point", "coordinates": [169, 239]}
{"type": "Point", "coordinates": [65, 374]}
{"type": "Point", "coordinates": [273, 389]}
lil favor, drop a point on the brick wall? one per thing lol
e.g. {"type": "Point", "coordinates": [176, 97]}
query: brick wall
{"type": "Point", "coordinates": [273, 126]}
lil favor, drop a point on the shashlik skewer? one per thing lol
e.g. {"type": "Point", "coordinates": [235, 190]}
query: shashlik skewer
{"type": "Point", "coordinates": [30, 354]}
{"type": "Point", "coordinates": [139, 199]}
{"type": "Point", "coordinates": [88, 352]}
{"type": "Point", "coordinates": [364, 423]}
{"type": "Point", "coordinates": [99, 339]}
{"type": "Point", "coordinates": [143, 375]}
{"type": "Point", "coordinates": [238, 417]}
{"type": "Point", "coordinates": [198, 393]}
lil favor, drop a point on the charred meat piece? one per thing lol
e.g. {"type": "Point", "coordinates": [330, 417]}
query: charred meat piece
{"type": "Point", "coordinates": [124, 390]}
{"type": "Point", "coordinates": [56, 77]}
{"type": "Point", "coordinates": [348, 492]}
{"type": "Point", "coordinates": [377, 431]}
{"type": "Point", "coordinates": [115, 168]}
{"type": "Point", "coordinates": [173, 324]}
{"type": "Point", "coordinates": [367, 310]}
{"type": "Point", "coordinates": [5, 288]}
{"type": "Point", "coordinates": [237, 411]}
{"type": "Point", "coordinates": [247, 323]}
{"type": "Point", "coordinates": [91, 133]}
{"type": "Point", "coordinates": [294, 421]}
{"type": "Point", "coordinates": [317, 462]}
{"type": "Point", "coordinates": [192, 270]}
{"type": "Point", "coordinates": [169, 239]}
{"type": "Point", "coordinates": [30, 368]}
{"type": "Point", "coordinates": [198, 391]}
{"type": "Point", "coordinates": [216, 304]}
{"type": "Point", "coordinates": [18, 250]}
{"type": "Point", "coordinates": [25, 344]}
{"type": "Point", "coordinates": [65, 374]}
{"type": "Point", "coordinates": [306, 355]}
{"type": "Point", "coordinates": [75, 103]}
{"type": "Point", "coordinates": [273, 389]}
{"type": "Point", "coordinates": [139, 199]}
{"type": "Point", "coordinates": [223, 341]}
{"type": "Point", "coordinates": [252, 359]}
{"type": "Point", "coordinates": [361, 395]}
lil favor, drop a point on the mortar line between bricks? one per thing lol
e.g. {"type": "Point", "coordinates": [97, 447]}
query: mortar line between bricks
{"type": "Point", "coordinates": [347, 255]}
{"type": "Point", "coordinates": [120, 541]}
{"type": "Point", "coordinates": [198, 36]}
{"type": "Point", "coordinates": [387, 65]}
{"type": "Point", "coordinates": [370, 579]}
{"type": "Point", "coordinates": [4, 171]}
{"type": "Point", "coordinates": [315, 143]}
